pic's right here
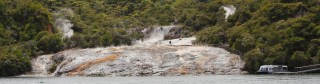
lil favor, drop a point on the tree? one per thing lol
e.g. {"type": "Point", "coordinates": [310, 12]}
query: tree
{"type": "Point", "coordinates": [253, 59]}
{"type": "Point", "coordinates": [299, 58]}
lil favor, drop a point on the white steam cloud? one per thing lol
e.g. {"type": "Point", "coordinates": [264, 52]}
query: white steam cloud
{"type": "Point", "coordinates": [64, 25]}
{"type": "Point", "coordinates": [230, 10]}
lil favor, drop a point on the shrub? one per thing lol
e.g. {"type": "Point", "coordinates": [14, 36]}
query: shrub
{"type": "Point", "coordinates": [50, 43]}
{"type": "Point", "coordinates": [107, 40]}
{"type": "Point", "coordinates": [212, 35]}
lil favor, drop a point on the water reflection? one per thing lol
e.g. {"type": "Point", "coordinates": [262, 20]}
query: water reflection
{"type": "Point", "coordinates": [214, 79]}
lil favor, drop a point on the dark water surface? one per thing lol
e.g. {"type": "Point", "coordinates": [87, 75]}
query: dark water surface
{"type": "Point", "coordinates": [214, 79]}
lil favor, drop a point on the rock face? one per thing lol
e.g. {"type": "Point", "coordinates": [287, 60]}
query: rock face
{"type": "Point", "coordinates": [155, 36]}
{"type": "Point", "coordinates": [164, 35]}
{"type": "Point", "coordinates": [42, 65]}
{"type": "Point", "coordinates": [174, 33]}
{"type": "Point", "coordinates": [141, 61]}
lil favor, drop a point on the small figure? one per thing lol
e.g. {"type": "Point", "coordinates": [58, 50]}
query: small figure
{"type": "Point", "coordinates": [170, 43]}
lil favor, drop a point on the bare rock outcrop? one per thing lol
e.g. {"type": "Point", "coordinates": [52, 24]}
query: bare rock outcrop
{"type": "Point", "coordinates": [141, 61]}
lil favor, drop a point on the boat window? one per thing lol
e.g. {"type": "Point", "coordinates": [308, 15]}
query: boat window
{"type": "Point", "coordinates": [270, 68]}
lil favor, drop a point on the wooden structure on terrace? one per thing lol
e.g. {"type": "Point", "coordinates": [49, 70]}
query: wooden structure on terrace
{"type": "Point", "coordinates": [297, 70]}
{"type": "Point", "coordinates": [306, 69]}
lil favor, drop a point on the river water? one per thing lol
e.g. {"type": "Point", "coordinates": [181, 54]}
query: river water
{"type": "Point", "coordinates": [214, 79]}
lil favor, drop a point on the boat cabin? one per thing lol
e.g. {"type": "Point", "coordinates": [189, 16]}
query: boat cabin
{"type": "Point", "coordinates": [272, 68]}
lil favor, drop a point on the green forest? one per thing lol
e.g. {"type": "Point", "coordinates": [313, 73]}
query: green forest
{"type": "Point", "coordinates": [281, 32]}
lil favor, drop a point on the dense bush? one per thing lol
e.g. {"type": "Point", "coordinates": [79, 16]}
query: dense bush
{"type": "Point", "coordinates": [271, 33]}
{"type": "Point", "coordinates": [20, 23]}
{"type": "Point", "coordinates": [14, 60]}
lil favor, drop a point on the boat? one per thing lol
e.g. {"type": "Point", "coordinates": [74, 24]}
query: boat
{"type": "Point", "coordinates": [272, 69]}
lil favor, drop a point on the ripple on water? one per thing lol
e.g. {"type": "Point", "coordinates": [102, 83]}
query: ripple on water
{"type": "Point", "coordinates": [214, 79]}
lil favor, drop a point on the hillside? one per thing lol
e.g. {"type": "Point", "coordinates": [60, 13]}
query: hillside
{"type": "Point", "coordinates": [263, 31]}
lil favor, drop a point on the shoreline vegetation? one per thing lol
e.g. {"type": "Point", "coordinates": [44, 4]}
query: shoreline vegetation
{"type": "Point", "coordinates": [265, 32]}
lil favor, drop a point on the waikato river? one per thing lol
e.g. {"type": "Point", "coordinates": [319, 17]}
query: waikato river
{"type": "Point", "coordinates": [213, 79]}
